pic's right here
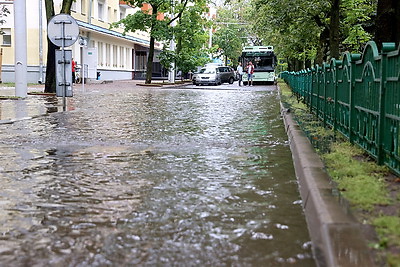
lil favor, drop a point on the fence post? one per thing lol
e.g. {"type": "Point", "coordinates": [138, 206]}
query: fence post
{"type": "Point", "coordinates": [352, 119]}
{"type": "Point", "coordinates": [334, 67]}
{"type": "Point", "coordinates": [318, 91]}
{"type": "Point", "coordinates": [325, 69]}
{"type": "Point", "coordinates": [313, 84]}
{"type": "Point", "coordinates": [386, 47]}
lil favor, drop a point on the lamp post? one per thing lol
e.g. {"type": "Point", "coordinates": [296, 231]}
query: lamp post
{"type": "Point", "coordinates": [20, 48]}
{"type": "Point", "coordinates": [41, 78]}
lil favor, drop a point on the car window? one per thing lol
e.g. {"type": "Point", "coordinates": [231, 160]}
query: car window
{"type": "Point", "coordinates": [207, 70]}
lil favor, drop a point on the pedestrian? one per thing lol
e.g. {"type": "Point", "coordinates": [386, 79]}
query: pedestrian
{"type": "Point", "coordinates": [73, 64]}
{"type": "Point", "coordinates": [250, 72]}
{"type": "Point", "coordinates": [240, 73]}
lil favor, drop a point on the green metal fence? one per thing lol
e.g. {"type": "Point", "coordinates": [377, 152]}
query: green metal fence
{"type": "Point", "coordinates": [358, 96]}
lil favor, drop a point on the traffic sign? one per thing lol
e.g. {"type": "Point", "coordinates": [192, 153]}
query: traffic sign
{"type": "Point", "coordinates": [63, 30]}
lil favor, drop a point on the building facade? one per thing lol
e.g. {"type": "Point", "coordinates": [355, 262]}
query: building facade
{"type": "Point", "coordinates": [114, 55]}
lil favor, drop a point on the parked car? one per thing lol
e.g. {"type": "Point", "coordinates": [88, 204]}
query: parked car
{"type": "Point", "coordinates": [214, 75]}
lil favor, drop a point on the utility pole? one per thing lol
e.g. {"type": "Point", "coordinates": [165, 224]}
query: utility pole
{"type": "Point", "coordinates": [20, 48]}
{"type": "Point", "coordinates": [172, 47]}
{"type": "Point", "coordinates": [41, 78]}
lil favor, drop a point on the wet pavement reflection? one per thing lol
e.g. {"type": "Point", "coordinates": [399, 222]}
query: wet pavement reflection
{"type": "Point", "coordinates": [152, 177]}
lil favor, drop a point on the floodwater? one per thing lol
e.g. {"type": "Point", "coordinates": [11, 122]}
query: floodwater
{"type": "Point", "coordinates": [152, 177]}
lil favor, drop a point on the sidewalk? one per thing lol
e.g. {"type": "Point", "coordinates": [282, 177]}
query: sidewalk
{"type": "Point", "coordinates": [36, 104]}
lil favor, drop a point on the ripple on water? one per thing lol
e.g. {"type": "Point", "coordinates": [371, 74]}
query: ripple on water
{"type": "Point", "coordinates": [153, 178]}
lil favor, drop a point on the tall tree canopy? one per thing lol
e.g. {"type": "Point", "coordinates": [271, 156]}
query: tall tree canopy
{"type": "Point", "coordinates": [231, 34]}
{"type": "Point", "coordinates": [314, 30]}
{"type": "Point", "coordinates": [191, 36]}
{"type": "Point", "coordinates": [146, 20]}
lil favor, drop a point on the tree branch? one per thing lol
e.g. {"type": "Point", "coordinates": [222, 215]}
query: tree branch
{"type": "Point", "coordinates": [179, 14]}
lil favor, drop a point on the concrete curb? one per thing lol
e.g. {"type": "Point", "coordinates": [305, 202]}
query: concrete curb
{"type": "Point", "coordinates": [336, 236]}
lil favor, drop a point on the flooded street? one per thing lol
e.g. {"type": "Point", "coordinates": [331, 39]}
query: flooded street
{"type": "Point", "coordinates": [152, 177]}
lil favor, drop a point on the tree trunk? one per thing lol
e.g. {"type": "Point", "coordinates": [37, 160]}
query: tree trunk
{"type": "Point", "coordinates": [150, 58]}
{"type": "Point", "coordinates": [387, 22]}
{"type": "Point", "coordinates": [66, 6]}
{"type": "Point", "coordinates": [149, 69]}
{"type": "Point", "coordinates": [323, 43]}
{"type": "Point", "coordinates": [50, 85]}
{"type": "Point", "coordinates": [334, 33]}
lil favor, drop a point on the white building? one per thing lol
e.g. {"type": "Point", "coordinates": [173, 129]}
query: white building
{"type": "Point", "coordinates": [118, 56]}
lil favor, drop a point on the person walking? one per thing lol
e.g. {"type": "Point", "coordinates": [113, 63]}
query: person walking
{"type": "Point", "coordinates": [73, 64]}
{"type": "Point", "coordinates": [250, 71]}
{"type": "Point", "coordinates": [240, 73]}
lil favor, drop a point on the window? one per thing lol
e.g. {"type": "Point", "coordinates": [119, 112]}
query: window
{"type": "Point", "coordinates": [109, 18]}
{"type": "Point", "coordinates": [108, 54]}
{"type": "Point", "coordinates": [100, 10]}
{"type": "Point", "coordinates": [6, 34]}
{"type": "Point", "coordinates": [115, 56]}
{"type": "Point", "coordinates": [140, 60]}
{"type": "Point", "coordinates": [122, 57]}
{"type": "Point", "coordinates": [73, 6]}
{"type": "Point", "coordinates": [128, 58]}
{"type": "Point", "coordinates": [122, 13]}
{"type": "Point", "coordinates": [83, 6]}
{"type": "Point", "coordinates": [100, 51]}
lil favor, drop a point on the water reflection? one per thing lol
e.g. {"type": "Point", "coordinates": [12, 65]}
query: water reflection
{"type": "Point", "coordinates": [152, 178]}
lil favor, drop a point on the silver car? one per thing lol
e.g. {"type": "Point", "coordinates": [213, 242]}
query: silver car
{"type": "Point", "coordinates": [214, 75]}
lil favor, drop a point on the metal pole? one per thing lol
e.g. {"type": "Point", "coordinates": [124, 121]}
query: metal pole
{"type": "Point", "coordinates": [171, 73]}
{"type": "Point", "coordinates": [21, 89]}
{"type": "Point", "coordinates": [210, 41]}
{"type": "Point", "coordinates": [64, 91]}
{"type": "Point", "coordinates": [1, 62]}
{"type": "Point", "coordinates": [83, 77]}
{"type": "Point", "coordinates": [41, 78]}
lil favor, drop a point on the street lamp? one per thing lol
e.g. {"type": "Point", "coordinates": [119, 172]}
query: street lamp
{"type": "Point", "coordinates": [20, 48]}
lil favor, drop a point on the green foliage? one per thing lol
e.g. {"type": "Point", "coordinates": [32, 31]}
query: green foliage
{"type": "Point", "coordinates": [146, 21]}
{"type": "Point", "coordinates": [357, 16]}
{"type": "Point", "coordinates": [167, 57]}
{"type": "Point", "coordinates": [360, 181]}
{"type": "Point", "coordinates": [299, 29]}
{"type": "Point", "coordinates": [231, 31]}
{"type": "Point", "coordinates": [189, 31]}
{"type": "Point", "coordinates": [388, 226]}
{"type": "Point", "coordinates": [191, 38]}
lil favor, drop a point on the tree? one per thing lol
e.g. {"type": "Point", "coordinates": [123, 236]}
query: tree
{"type": "Point", "coordinates": [229, 42]}
{"type": "Point", "coordinates": [230, 35]}
{"type": "Point", "coordinates": [357, 23]}
{"type": "Point", "coordinates": [146, 20]}
{"type": "Point", "coordinates": [313, 30]}
{"type": "Point", "coordinates": [191, 38]}
{"type": "Point", "coordinates": [50, 86]}
{"type": "Point", "coordinates": [334, 29]}
{"type": "Point", "coordinates": [387, 22]}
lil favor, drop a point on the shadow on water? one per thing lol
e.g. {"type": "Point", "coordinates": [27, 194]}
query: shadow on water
{"type": "Point", "coordinates": [152, 178]}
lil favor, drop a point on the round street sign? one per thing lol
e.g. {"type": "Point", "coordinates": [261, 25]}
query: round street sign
{"type": "Point", "coordinates": [63, 23]}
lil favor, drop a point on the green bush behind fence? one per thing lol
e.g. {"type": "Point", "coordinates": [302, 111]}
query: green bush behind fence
{"type": "Point", "coordinates": [358, 96]}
